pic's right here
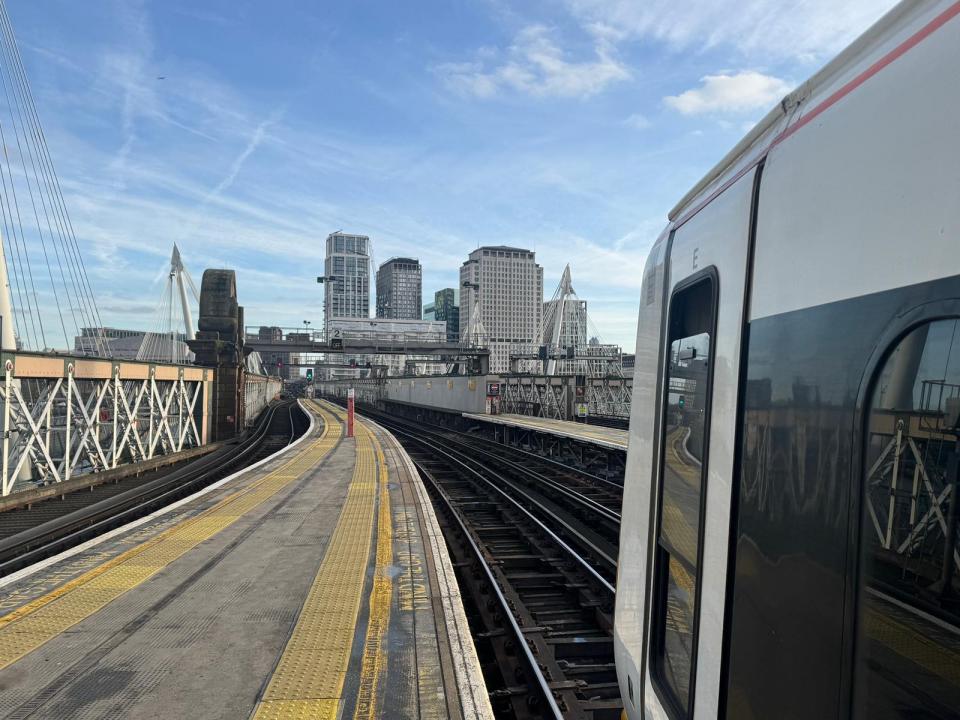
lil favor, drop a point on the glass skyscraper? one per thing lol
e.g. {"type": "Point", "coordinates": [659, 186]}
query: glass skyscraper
{"type": "Point", "coordinates": [347, 271]}
{"type": "Point", "coordinates": [399, 289]}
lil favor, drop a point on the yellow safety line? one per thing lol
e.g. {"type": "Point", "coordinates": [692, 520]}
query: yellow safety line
{"type": "Point", "coordinates": [910, 643]}
{"type": "Point", "coordinates": [39, 621]}
{"type": "Point", "coordinates": [374, 657]}
{"type": "Point", "coordinates": [309, 678]}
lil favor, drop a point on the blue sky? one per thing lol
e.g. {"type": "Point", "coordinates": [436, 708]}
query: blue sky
{"type": "Point", "coordinates": [567, 126]}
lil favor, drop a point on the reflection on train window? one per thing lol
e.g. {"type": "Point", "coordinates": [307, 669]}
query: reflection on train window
{"type": "Point", "coordinates": [681, 491]}
{"type": "Point", "coordinates": [908, 615]}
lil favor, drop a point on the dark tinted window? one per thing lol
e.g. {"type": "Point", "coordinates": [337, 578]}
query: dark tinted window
{"type": "Point", "coordinates": [681, 492]}
{"type": "Point", "coordinates": [908, 643]}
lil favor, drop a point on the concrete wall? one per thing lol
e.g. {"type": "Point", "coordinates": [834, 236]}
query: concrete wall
{"type": "Point", "coordinates": [259, 390]}
{"type": "Point", "coordinates": [454, 394]}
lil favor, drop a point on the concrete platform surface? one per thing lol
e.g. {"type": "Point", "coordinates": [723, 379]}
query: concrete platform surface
{"type": "Point", "coordinates": [605, 437]}
{"type": "Point", "coordinates": [316, 585]}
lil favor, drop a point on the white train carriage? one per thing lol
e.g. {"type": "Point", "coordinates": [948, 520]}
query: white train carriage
{"type": "Point", "coordinates": [789, 544]}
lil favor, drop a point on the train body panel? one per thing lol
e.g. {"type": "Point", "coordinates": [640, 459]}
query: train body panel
{"type": "Point", "coordinates": [824, 247]}
{"type": "Point", "coordinates": [630, 640]}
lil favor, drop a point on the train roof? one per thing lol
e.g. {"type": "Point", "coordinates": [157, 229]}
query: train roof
{"type": "Point", "coordinates": [792, 108]}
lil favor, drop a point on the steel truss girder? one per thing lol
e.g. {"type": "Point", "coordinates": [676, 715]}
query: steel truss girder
{"type": "Point", "coordinates": [57, 427]}
{"type": "Point", "coordinates": [884, 476]}
{"type": "Point", "coordinates": [551, 396]}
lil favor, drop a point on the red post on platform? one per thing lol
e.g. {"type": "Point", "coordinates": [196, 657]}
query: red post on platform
{"type": "Point", "coordinates": [350, 412]}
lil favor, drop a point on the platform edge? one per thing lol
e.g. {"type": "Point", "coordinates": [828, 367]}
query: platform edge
{"type": "Point", "coordinates": [474, 700]}
{"type": "Point", "coordinates": [93, 542]}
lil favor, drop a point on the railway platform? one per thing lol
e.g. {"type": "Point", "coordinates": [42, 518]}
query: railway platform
{"type": "Point", "coordinates": [315, 584]}
{"type": "Point", "coordinates": [605, 437]}
{"type": "Point", "coordinates": [596, 448]}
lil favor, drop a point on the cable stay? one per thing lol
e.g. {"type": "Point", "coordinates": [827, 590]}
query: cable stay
{"type": "Point", "coordinates": [173, 319]}
{"type": "Point", "coordinates": [47, 294]}
{"type": "Point", "coordinates": [569, 341]}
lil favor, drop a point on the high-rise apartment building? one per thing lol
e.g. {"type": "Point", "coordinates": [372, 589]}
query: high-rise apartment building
{"type": "Point", "coordinates": [446, 304]}
{"type": "Point", "coordinates": [400, 289]}
{"type": "Point", "coordinates": [347, 273]}
{"type": "Point", "coordinates": [501, 302]}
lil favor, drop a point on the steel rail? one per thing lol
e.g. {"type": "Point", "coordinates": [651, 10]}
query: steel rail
{"type": "Point", "coordinates": [531, 660]}
{"type": "Point", "coordinates": [598, 551]}
{"type": "Point", "coordinates": [470, 441]}
{"type": "Point", "coordinates": [574, 555]}
{"type": "Point", "coordinates": [538, 458]}
{"type": "Point", "coordinates": [586, 503]}
{"type": "Point", "coordinates": [533, 515]}
{"type": "Point", "coordinates": [33, 544]}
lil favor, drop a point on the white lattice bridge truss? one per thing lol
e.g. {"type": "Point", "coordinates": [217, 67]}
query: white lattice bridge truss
{"type": "Point", "coordinates": [63, 416]}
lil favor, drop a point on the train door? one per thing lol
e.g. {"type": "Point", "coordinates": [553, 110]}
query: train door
{"type": "Point", "coordinates": [702, 336]}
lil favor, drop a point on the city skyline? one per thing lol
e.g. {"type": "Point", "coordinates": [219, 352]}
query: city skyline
{"type": "Point", "coordinates": [570, 128]}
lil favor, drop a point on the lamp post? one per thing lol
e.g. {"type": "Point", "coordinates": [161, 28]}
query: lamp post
{"type": "Point", "coordinates": [321, 279]}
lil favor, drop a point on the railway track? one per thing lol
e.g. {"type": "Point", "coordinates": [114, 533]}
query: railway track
{"type": "Point", "coordinates": [54, 525]}
{"type": "Point", "coordinates": [536, 559]}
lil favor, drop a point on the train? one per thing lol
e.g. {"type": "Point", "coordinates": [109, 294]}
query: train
{"type": "Point", "coordinates": [789, 538]}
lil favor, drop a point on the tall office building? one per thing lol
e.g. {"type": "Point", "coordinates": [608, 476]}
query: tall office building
{"type": "Point", "coordinates": [501, 303]}
{"type": "Point", "coordinates": [399, 289]}
{"type": "Point", "coordinates": [446, 304]}
{"type": "Point", "coordinates": [347, 272]}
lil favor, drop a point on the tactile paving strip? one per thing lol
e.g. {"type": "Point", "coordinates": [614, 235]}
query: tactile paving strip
{"type": "Point", "coordinates": [37, 622]}
{"type": "Point", "coordinates": [309, 677]}
{"type": "Point", "coordinates": [374, 658]}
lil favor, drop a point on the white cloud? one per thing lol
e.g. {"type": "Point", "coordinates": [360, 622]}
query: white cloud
{"type": "Point", "coordinates": [638, 121]}
{"type": "Point", "coordinates": [536, 65]}
{"type": "Point", "coordinates": [744, 92]}
{"type": "Point", "coordinates": [253, 143]}
{"type": "Point", "coordinates": [810, 30]}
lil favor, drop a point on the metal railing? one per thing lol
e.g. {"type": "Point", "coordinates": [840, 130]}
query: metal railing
{"type": "Point", "coordinates": [64, 415]}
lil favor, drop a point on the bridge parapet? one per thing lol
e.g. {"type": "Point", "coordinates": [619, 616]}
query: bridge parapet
{"type": "Point", "coordinates": [64, 415]}
{"type": "Point", "coordinates": [558, 397]}
{"type": "Point", "coordinates": [258, 391]}
{"type": "Point", "coordinates": [566, 397]}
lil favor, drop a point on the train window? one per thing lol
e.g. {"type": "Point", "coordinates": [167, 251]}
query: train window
{"type": "Point", "coordinates": [681, 493]}
{"type": "Point", "coordinates": [907, 651]}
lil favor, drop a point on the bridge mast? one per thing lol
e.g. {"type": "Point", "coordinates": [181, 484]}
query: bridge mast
{"type": "Point", "coordinates": [8, 337]}
{"type": "Point", "coordinates": [177, 270]}
{"type": "Point", "coordinates": [565, 291]}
